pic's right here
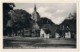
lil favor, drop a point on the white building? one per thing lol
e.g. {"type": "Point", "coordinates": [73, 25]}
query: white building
{"type": "Point", "coordinates": [57, 35]}
{"type": "Point", "coordinates": [67, 34]}
{"type": "Point", "coordinates": [43, 34]}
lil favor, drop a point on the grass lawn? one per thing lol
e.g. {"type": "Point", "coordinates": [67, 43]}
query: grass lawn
{"type": "Point", "coordinates": [37, 42]}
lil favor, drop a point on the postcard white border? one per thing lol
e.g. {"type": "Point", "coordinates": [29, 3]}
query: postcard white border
{"type": "Point", "coordinates": [40, 50]}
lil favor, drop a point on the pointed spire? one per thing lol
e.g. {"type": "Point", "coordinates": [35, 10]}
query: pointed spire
{"type": "Point", "coordinates": [35, 7]}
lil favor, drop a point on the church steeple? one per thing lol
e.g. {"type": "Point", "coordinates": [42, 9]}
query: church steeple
{"type": "Point", "coordinates": [35, 14]}
{"type": "Point", "coordinates": [35, 17]}
{"type": "Point", "coordinates": [35, 8]}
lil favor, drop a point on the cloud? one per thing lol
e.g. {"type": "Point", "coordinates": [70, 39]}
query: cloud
{"type": "Point", "coordinates": [57, 12]}
{"type": "Point", "coordinates": [57, 17]}
{"type": "Point", "coordinates": [60, 11]}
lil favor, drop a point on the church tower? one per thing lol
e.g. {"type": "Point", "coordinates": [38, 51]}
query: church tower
{"type": "Point", "coordinates": [35, 14]}
{"type": "Point", "coordinates": [35, 27]}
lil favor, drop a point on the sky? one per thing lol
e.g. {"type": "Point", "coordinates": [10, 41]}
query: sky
{"type": "Point", "coordinates": [57, 12]}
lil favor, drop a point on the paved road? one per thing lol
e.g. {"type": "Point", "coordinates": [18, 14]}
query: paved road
{"type": "Point", "coordinates": [37, 42]}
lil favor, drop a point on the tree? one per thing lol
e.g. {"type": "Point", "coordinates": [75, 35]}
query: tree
{"type": "Point", "coordinates": [21, 19]}
{"type": "Point", "coordinates": [44, 21]}
{"type": "Point", "coordinates": [6, 8]}
{"type": "Point", "coordinates": [71, 23]}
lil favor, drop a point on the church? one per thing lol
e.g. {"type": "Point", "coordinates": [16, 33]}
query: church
{"type": "Point", "coordinates": [36, 30]}
{"type": "Point", "coordinates": [35, 27]}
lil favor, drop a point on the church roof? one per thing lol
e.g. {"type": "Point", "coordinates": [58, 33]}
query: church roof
{"type": "Point", "coordinates": [35, 26]}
